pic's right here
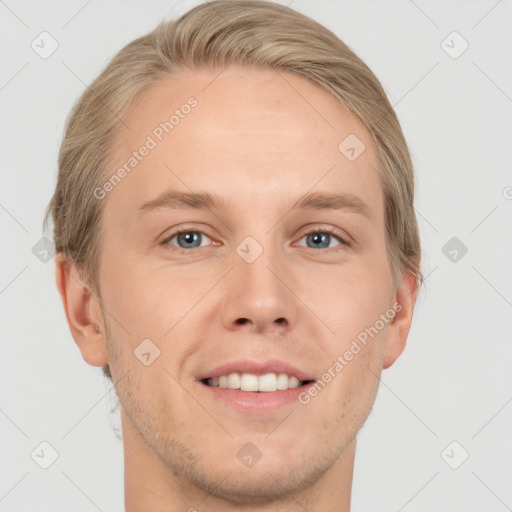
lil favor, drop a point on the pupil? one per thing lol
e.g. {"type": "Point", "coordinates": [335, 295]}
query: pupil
{"type": "Point", "coordinates": [320, 239]}
{"type": "Point", "coordinates": [189, 237]}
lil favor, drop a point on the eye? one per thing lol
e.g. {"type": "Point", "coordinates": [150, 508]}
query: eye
{"type": "Point", "coordinates": [323, 237]}
{"type": "Point", "coordinates": [186, 239]}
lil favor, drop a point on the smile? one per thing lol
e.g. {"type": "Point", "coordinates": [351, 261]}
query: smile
{"type": "Point", "coordinates": [268, 382]}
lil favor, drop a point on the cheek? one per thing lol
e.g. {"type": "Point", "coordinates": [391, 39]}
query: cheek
{"type": "Point", "coordinates": [146, 302]}
{"type": "Point", "coordinates": [356, 306]}
{"type": "Point", "coordinates": [356, 312]}
{"type": "Point", "coordinates": [349, 383]}
{"type": "Point", "coordinates": [352, 295]}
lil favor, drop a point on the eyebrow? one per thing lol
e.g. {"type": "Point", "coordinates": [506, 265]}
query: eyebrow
{"type": "Point", "coordinates": [175, 199]}
{"type": "Point", "coordinates": [330, 201]}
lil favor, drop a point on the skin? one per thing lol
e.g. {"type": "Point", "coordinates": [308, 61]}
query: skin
{"type": "Point", "coordinates": [260, 145]}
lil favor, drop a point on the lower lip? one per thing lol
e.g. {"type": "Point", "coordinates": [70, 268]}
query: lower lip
{"type": "Point", "coordinates": [255, 401]}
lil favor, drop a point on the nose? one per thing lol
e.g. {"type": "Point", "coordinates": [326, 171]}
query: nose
{"type": "Point", "coordinates": [259, 297]}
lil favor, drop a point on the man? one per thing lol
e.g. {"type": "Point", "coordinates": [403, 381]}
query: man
{"type": "Point", "coordinates": [237, 247]}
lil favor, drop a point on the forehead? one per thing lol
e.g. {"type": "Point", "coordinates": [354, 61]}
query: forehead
{"type": "Point", "coordinates": [256, 131]}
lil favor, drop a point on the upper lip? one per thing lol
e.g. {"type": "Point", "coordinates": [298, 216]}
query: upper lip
{"type": "Point", "coordinates": [257, 368]}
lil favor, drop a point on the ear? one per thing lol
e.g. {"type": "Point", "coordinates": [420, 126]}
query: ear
{"type": "Point", "coordinates": [399, 326]}
{"type": "Point", "coordinates": [83, 311]}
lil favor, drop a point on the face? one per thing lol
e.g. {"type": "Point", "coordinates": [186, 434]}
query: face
{"type": "Point", "coordinates": [245, 242]}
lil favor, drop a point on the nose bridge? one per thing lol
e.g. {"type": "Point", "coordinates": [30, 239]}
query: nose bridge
{"type": "Point", "coordinates": [260, 276]}
{"type": "Point", "coordinates": [256, 291]}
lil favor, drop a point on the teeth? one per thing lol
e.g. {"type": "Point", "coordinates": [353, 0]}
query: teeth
{"type": "Point", "coordinates": [293, 382]}
{"type": "Point", "coordinates": [268, 382]}
{"type": "Point", "coordinates": [234, 381]}
{"type": "Point", "coordinates": [249, 382]}
{"type": "Point", "coordinates": [282, 381]}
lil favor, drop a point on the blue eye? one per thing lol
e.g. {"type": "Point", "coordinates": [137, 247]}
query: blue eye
{"type": "Point", "coordinates": [322, 239]}
{"type": "Point", "coordinates": [317, 239]}
{"type": "Point", "coordinates": [190, 239]}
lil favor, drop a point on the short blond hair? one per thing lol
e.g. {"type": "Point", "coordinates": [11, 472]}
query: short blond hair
{"type": "Point", "coordinates": [252, 33]}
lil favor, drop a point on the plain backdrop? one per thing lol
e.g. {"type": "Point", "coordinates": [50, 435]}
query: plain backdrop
{"type": "Point", "coordinates": [439, 436]}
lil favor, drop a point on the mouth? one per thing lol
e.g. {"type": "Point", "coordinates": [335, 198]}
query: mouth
{"type": "Point", "coordinates": [254, 383]}
{"type": "Point", "coordinates": [251, 386]}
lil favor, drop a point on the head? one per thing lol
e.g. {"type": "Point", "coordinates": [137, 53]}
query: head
{"type": "Point", "coordinates": [260, 116]}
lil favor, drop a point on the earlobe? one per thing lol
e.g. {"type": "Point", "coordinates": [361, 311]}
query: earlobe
{"type": "Point", "coordinates": [399, 327]}
{"type": "Point", "coordinates": [82, 310]}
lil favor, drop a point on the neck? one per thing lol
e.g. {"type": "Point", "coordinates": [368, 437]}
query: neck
{"type": "Point", "coordinates": [151, 485]}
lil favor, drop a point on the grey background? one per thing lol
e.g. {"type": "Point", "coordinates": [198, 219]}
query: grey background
{"type": "Point", "coordinates": [453, 383]}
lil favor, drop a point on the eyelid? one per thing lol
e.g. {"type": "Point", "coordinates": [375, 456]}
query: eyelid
{"type": "Point", "coordinates": [184, 229]}
{"type": "Point", "coordinates": [343, 237]}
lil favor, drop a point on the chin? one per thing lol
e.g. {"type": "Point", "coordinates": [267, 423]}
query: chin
{"type": "Point", "coordinates": [265, 482]}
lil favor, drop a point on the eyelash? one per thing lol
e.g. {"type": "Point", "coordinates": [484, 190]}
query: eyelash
{"type": "Point", "coordinates": [327, 229]}
{"type": "Point", "coordinates": [331, 231]}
